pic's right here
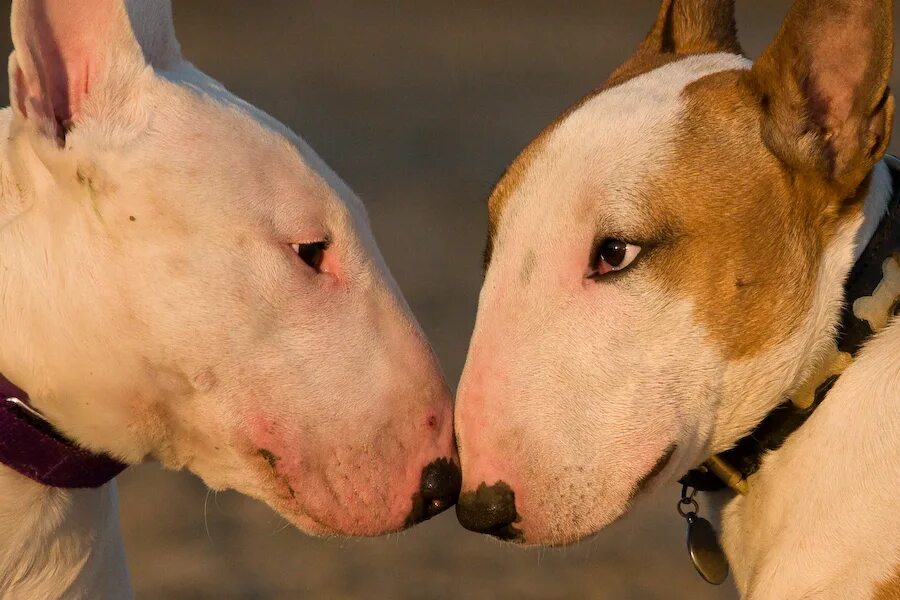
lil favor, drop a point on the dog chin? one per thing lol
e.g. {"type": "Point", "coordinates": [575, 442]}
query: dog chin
{"type": "Point", "coordinates": [278, 494]}
{"type": "Point", "coordinates": [571, 527]}
{"type": "Point", "coordinates": [312, 526]}
{"type": "Point", "coordinates": [565, 534]}
{"type": "Point", "coordinates": [306, 510]}
{"type": "Point", "coordinates": [292, 512]}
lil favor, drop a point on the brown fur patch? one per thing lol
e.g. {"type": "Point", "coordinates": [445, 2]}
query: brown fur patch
{"type": "Point", "coordinates": [889, 589]}
{"type": "Point", "coordinates": [747, 234]}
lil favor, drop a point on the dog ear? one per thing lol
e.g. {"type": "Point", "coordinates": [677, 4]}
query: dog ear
{"type": "Point", "coordinates": [683, 27]}
{"type": "Point", "coordinates": [151, 21]}
{"type": "Point", "coordinates": [66, 53]}
{"type": "Point", "coordinates": [823, 88]}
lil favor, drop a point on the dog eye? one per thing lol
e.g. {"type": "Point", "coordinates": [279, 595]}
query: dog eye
{"type": "Point", "coordinates": [312, 254]}
{"type": "Point", "coordinates": [612, 255]}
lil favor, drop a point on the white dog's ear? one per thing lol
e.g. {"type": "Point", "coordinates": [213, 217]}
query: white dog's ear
{"type": "Point", "coordinates": [683, 27]}
{"type": "Point", "coordinates": [71, 57]}
{"type": "Point", "coordinates": [823, 88]}
{"type": "Point", "coordinates": [151, 21]}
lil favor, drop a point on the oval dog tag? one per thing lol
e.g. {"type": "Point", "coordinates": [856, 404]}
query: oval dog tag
{"type": "Point", "coordinates": [706, 553]}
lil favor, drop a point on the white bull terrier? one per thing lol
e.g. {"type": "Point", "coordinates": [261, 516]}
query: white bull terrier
{"type": "Point", "coordinates": [692, 244]}
{"type": "Point", "coordinates": [182, 278]}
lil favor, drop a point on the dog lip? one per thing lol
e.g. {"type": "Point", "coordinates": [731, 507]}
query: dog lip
{"type": "Point", "coordinates": [657, 468]}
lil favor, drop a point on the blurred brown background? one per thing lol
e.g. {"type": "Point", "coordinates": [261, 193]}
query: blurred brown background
{"type": "Point", "coordinates": [419, 106]}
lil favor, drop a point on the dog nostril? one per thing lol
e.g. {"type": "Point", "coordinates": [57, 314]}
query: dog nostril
{"type": "Point", "coordinates": [490, 510]}
{"type": "Point", "coordinates": [438, 490]}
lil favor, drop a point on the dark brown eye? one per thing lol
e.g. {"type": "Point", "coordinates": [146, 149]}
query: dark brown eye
{"type": "Point", "coordinates": [612, 255]}
{"type": "Point", "coordinates": [312, 254]}
{"type": "Point", "coordinates": [613, 252]}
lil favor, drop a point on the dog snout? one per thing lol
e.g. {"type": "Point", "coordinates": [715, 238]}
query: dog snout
{"type": "Point", "coordinates": [438, 490]}
{"type": "Point", "coordinates": [491, 510]}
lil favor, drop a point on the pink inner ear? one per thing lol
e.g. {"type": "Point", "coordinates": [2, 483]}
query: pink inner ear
{"type": "Point", "coordinates": [841, 56]}
{"type": "Point", "coordinates": [59, 46]}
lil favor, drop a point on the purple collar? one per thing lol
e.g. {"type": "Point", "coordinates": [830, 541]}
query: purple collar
{"type": "Point", "coordinates": [30, 446]}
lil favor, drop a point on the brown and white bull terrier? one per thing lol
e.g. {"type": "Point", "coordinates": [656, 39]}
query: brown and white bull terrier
{"type": "Point", "coordinates": [182, 278]}
{"type": "Point", "coordinates": [666, 264]}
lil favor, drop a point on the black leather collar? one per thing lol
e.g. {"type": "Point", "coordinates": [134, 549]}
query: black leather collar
{"type": "Point", "coordinates": [870, 299]}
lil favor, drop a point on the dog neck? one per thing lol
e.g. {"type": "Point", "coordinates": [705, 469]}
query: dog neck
{"type": "Point", "coordinates": [59, 543]}
{"type": "Point", "coordinates": [56, 542]}
{"type": "Point", "coordinates": [868, 300]}
{"type": "Point", "coordinates": [801, 497]}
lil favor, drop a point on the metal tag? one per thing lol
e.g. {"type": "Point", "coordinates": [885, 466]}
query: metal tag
{"type": "Point", "coordinates": [706, 553]}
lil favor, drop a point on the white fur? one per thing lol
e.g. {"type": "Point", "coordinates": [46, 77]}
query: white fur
{"type": "Point", "coordinates": [152, 306]}
{"type": "Point", "coordinates": [821, 518]}
{"type": "Point", "coordinates": [59, 543]}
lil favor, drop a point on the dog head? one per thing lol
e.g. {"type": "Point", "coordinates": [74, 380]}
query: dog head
{"type": "Point", "coordinates": [184, 278]}
{"type": "Point", "coordinates": [665, 261]}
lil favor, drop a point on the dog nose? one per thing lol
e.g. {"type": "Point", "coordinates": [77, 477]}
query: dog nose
{"type": "Point", "coordinates": [438, 490]}
{"type": "Point", "coordinates": [490, 510]}
{"type": "Point", "coordinates": [441, 481]}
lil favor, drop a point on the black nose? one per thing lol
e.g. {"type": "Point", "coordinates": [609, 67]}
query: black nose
{"type": "Point", "coordinates": [438, 490]}
{"type": "Point", "coordinates": [490, 510]}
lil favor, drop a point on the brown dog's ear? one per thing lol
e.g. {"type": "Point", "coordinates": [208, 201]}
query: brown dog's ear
{"type": "Point", "coordinates": [823, 88]}
{"type": "Point", "coordinates": [683, 27]}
